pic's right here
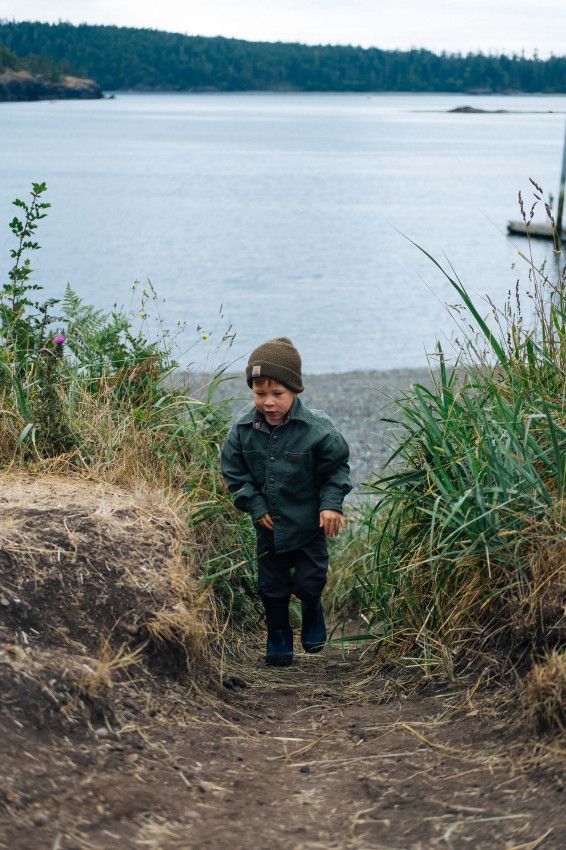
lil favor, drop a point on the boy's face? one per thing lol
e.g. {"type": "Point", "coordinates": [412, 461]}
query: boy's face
{"type": "Point", "coordinates": [272, 399]}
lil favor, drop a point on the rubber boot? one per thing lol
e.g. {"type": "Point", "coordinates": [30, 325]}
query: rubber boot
{"type": "Point", "coordinates": [313, 628]}
{"type": "Point", "coordinates": [279, 651]}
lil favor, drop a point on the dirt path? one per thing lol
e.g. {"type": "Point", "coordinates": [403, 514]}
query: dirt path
{"type": "Point", "coordinates": [299, 759]}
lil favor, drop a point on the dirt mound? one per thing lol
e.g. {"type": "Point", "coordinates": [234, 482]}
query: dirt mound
{"type": "Point", "coordinates": [92, 579]}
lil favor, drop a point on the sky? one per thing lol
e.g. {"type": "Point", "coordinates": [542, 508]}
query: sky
{"type": "Point", "coordinates": [501, 26]}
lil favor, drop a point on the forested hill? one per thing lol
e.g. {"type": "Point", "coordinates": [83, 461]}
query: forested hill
{"type": "Point", "coordinates": [125, 58]}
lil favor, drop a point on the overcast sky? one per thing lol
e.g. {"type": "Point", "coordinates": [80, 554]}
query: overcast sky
{"type": "Point", "coordinates": [453, 25]}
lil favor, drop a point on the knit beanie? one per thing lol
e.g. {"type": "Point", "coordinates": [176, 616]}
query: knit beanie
{"type": "Point", "coordinates": [277, 359]}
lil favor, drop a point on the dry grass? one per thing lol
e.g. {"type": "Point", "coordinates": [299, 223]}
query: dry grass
{"type": "Point", "coordinates": [545, 692]}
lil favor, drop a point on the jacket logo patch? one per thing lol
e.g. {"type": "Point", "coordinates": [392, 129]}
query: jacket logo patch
{"type": "Point", "coordinates": [295, 457]}
{"type": "Point", "coordinates": [256, 371]}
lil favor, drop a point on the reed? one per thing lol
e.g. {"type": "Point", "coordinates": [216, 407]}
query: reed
{"type": "Point", "coordinates": [461, 553]}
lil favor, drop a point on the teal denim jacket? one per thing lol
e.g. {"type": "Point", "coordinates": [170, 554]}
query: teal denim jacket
{"type": "Point", "coordinates": [292, 471]}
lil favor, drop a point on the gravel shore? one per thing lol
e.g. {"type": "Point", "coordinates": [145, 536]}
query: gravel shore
{"type": "Point", "coordinates": [357, 402]}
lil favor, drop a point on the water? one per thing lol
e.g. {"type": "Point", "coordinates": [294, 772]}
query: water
{"type": "Point", "coordinates": [282, 214]}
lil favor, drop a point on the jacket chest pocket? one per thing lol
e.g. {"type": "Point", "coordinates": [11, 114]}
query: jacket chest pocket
{"type": "Point", "coordinates": [297, 467]}
{"type": "Point", "coordinates": [255, 461]}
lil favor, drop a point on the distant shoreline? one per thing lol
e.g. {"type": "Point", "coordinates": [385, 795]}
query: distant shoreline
{"type": "Point", "coordinates": [14, 92]}
{"type": "Point", "coordinates": [20, 86]}
{"type": "Point", "coordinates": [458, 110]}
{"type": "Point", "coordinates": [318, 93]}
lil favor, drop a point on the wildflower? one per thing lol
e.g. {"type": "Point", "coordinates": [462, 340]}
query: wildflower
{"type": "Point", "coordinates": [205, 336]}
{"type": "Point", "coordinates": [142, 315]}
{"type": "Point", "coordinates": [59, 339]}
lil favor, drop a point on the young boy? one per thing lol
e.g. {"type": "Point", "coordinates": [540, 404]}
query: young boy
{"type": "Point", "coordinates": [288, 468]}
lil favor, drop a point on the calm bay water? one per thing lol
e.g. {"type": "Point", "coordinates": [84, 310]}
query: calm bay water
{"type": "Point", "coordinates": [282, 214]}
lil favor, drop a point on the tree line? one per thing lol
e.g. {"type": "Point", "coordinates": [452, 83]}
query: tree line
{"type": "Point", "coordinates": [144, 59]}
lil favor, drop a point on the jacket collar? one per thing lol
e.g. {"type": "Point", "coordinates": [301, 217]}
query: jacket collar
{"type": "Point", "coordinates": [297, 411]}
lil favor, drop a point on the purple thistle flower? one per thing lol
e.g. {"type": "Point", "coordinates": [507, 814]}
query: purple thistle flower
{"type": "Point", "coordinates": [59, 339]}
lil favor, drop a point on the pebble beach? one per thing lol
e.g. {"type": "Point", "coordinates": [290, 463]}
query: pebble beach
{"type": "Point", "coordinates": [357, 402]}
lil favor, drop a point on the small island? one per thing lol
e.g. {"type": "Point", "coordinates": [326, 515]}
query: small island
{"type": "Point", "coordinates": [474, 110]}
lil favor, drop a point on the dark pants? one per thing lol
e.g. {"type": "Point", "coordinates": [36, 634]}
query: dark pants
{"type": "Point", "coordinates": [302, 571]}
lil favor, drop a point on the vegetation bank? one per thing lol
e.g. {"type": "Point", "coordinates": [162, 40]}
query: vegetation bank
{"type": "Point", "coordinates": [144, 59]}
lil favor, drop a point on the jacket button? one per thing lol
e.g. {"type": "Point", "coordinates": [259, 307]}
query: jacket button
{"type": "Point", "coordinates": [271, 458]}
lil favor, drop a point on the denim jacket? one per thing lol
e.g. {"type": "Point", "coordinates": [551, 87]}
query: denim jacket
{"type": "Point", "coordinates": [292, 471]}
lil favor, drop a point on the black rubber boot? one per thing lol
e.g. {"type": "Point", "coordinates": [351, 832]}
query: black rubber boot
{"type": "Point", "coordinates": [313, 628]}
{"type": "Point", "coordinates": [279, 651]}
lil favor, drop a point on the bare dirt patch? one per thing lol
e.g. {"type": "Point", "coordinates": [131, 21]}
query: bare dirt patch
{"type": "Point", "coordinates": [298, 759]}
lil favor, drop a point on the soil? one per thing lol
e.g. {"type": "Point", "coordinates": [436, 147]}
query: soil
{"type": "Point", "coordinates": [118, 733]}
{"type": "Point", "coordinates": [299, 758]}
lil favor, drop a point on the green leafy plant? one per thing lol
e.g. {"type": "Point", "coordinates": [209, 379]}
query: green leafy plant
{"type": "Point", "coordinates": [23, 319]}
{"type": "Point", "coordinates": [31, 361]}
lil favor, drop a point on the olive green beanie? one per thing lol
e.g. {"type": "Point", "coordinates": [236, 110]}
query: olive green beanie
{"type": "Point", "coordinates": [277, 359]}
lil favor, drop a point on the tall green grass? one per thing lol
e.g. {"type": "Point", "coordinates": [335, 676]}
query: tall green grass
{"type": "Point", "coordinates": [84, 392]}
{"type": "Point", "coordinates": [462, 549]}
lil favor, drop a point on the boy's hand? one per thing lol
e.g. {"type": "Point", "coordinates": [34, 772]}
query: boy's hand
{"type": "Point", "coordinates": [332, 521]}
{"type": "Point", "coordinates": [266, 522]}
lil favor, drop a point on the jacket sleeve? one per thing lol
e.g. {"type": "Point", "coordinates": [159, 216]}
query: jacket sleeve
{"type": "Point", "coordinates": [240, 480]}
{"type": "Point", "coordinates": [333, 470]}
